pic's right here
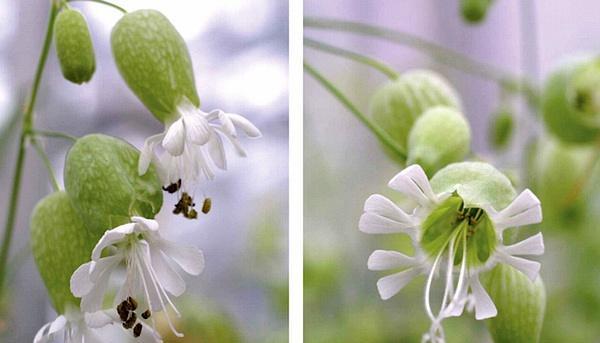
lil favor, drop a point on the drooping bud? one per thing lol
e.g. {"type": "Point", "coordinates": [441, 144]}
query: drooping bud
{"type": "Point", "coordinates": [60, 243]}
{"type": "Point", "coordinates": [521, 305]}
{"type": "Point", "coordinates": [480, 184]}
{"type": "Point", "coordinates": [74, 46]}
{"type": "Point", "coordinates": [102, 179]}
{"type": "Point", "coordinates": [438, 137]}
{"type": "Point", "coordinates": [571, 101]}
{"type": "Point", "coordinates": [501, 128]}
{"type": "Point", "coordinates": [474, 11]}
{"type": "Point", "coordinates": [397, 104]}
{"type": "Point", "coordinates": [154, 61]}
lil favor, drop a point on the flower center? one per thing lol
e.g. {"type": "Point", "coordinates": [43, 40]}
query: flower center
{"type": "Point", "coordinates": [453, 223]}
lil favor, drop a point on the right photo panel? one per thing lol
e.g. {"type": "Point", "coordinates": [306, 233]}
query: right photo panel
{"type": "Point", "coordinates": [451, 186]}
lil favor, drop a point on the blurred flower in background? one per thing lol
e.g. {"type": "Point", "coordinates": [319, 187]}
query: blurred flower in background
{"type": "Point", "coordinates": [240, 50]}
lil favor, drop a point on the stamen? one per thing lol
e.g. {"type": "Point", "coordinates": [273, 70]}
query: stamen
{"type": "Point", "coordinates": [137, 330]}
{"type": "Point", "coordinates": [146, 314]}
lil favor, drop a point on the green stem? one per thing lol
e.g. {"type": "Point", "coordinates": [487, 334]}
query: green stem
{"type": "Point", "coordinates": [47, 163]}
{"type": "Point", "coordinates": [27, 126]}
{"type": "Point", "coordinates": [53, 134]}
{"type": "Point", "coordinates": [439, 53]}
{"type": "Point", "coordinates": [366, 60]}
{"type": "Point", "coordinates": [110, 4]}
{"type": "Point", "coordinates": [382, 135]}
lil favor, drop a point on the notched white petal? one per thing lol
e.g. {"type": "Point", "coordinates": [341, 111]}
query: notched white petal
{"type": "Point", "coordinates": [249, 129]}
{"type": "Point", "coordinates": [384, 207]}
{"type": "Point", "coordinates": [413, 182]}
{"type": "Point", "coordinates": [174, 141]}
{"type": "Point", "coordinates": [386, 259]}
{"type": "Point", "coordinates": [197, 129]}
{"type": "Point", "coordinates": [484, 306]}
{"type": "Point", "coordinates": [110, 237]}
{"type": "Point", "coordinates": [533, 245]}
{"type": "Point", "coordinates": [390, 285]}
{"type": "Point", "coordinates": [189, 258]}
{"type": "Point", "coordinates": [524, 210]}
{"type": "Point", "coordinates": [375, 224]}
{"type": "Point", "coordinates": [530, 268]}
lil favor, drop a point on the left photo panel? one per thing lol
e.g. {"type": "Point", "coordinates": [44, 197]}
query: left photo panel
{"type": "Point", "coordinates": [144, 171]}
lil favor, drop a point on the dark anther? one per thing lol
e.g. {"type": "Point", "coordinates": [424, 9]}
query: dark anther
{"type": "Point", "coordinates": [192, 214]}
{"type": "Point", "coordinates": [146, 314]}
{"type": "Point", "coordinates": [206, 205]}
{"type": "Point", "coordinates": [185, 205]}
{"type": "Point", "coordinates": [122, 310]}
{"type": "Point", "coordinates": [128, 324]}
{"type": "Point", "coordinates": [132, 303]}
{"type": "Point", "coordinates": [137, 330]}
{"type": "Point", "coordinates": [174, 187]}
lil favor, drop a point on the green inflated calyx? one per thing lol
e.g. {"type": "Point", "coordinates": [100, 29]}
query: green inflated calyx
{"type": "Point", "coordinates": [60, 243]}
{"type": "Point", "coordinates": [571, 101]}
{"type": "Point", "coordinates": [74, 46]}
{"type": "Point", "coordinates": [521, 305]}
{"type": "Point", "coordinates": [154, 61]}
{"type": "Point", "coordinates": [397, 104]}
{"type": "Point", "coordinates": [501, 128]}
{"type": "Point", "coordinates": [474, 11]}
{"type": "Point", "coordinates": [439, 137]}
{"type": "Point", "coordinates": [101, 177]}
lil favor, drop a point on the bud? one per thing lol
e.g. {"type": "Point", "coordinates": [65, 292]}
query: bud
{"type": "Point", "coordinates": [397, 104]}
{"type": "Point", "coordinates": [74, 46]}
{"type": "Point", "coordinates": [60, 243]}
{"type": "Point", "coordinates": [520, 303]}
{"type": "Point", "coordinates": [501, 129]}
{"type": "Point", "coordinates": [154, 61]}
{"type": "Point", "coordinates": [101, 177]}
{"type": "Point", "coordinates": [571, 101]}
{"type": "Point", "coordinates": [474, 11]}
{"type": "Point", "coordinates": [480, 183]}
{"type": "Point", "coordinates": [440, 136]}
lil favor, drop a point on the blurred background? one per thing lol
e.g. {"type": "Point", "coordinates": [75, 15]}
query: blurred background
{"type": "Point", "coordinates": [239, 49]}
{"type": "Point", "coordinates": [344, 164]}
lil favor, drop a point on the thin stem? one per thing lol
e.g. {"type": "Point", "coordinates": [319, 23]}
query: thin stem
{"type": "Point", "coordinates": [53, 134]}
{"type": "Point", "coordinates": [439, 53]}
{"type": "Point", "coordinates": [27, 126]}
{"type": "Point", "coordinates": [47, 163]}
{"type": "Point", "coordinates": [110, 4]}
{"type": "Point", "coordinates": [366, 60]}
{"type": "Point", "coordinates": [379, 133]}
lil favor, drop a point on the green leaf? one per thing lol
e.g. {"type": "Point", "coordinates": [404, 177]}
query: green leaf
{"type": "Point", "coordinates": [60, 244]}
{"type": "Point", "coordinates": [154, 61]}
{"type": "Point", "coordinates": [102, 179]}
{"type": "Point", "coordinates": [74, 46]}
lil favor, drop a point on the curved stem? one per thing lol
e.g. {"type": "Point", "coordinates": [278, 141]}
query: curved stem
{"type": "Point", "coordinates": [53, 134]}
{"type": "Point", "coordinates": [382, 135]}
{"type": "Point", "coordinates": [110, 4]}
{"type": "Point", "coordinates": [366, 60]}
{"type": "Point", "coordinates": [439, 53]}
{"type": "Point", "coordinates": [27, 126]}
{"type": "Point", "coordinates": [47, 163]}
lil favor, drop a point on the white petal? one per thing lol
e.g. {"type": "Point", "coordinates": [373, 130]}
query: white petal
{"type": "Point", "coordinates": [390, 285]}
{"type": "Point", "coordinates": [189, 258]}
{"type": "Point", "coordinates": [147, 153]}
{"type": "Point", "coordinates": [110, 237]}
{"type": "Point", "coordinates": [249, 129]}
{"type": "Point", "coordinates": [197, 129]}
{"type": "Point", "coordinates": [235, 142]}
{"type": "Point", "coordinates": [147, 224]}
{"type": "Point", "coordinates": [386, 259]}
{"type": "Point", "coordinates": [93, 300]}
{"type": "Point", "coordinates": [167, 277]}
{"type": "Point", "coordinates": [524, 210]}
{"type": "Point", "coordinates": [216, 150]}
{"type": "Point", "coordinates": [174, 141]}
{"type": "Point", "coordinates": [384, 207]}
{"type": "Point", "coordinates": [103, 265]}
{"type": "Point", "coordinates": [57, 325]}
{"type": "Point", "coordinates": [376, 224]}
{"type": "Point", "coordinates": [456, 308]}
{"type": "Point", "coordinates": [413, 182]}
{"type": "Point", "coordinates": [484, 306]}
{"type": "Point", "coordinates": [530, 268]}
{"type": "Point", "coordinates": [99, 319]}
{"type": "Point", "coordinates": [533, 245]}
{"type": "Point", "coordinates": [41, 336]}
{"type": "Point", "coordinates": [80, 281]}
{"type": "Point", "coordinates": [226, 123]}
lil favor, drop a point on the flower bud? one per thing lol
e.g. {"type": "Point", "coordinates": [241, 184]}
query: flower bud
{"type": "Point", "coordinates": [154, 61]}
{"type": "Point", "coordinates": [74, 46]}
{"type": "Point", "coordinates": [60, 243]}
{"type": "Point", "coordinates": [571, 101]}
{"type": "Point", "coordinates": [501, 128]}
{"type": "Point", "coordinates": [440, 136]}
{"type": "Point", "coordinates": [480, 183]}
{"type": "Point", "coordinates": [520, 303]}
{"type": "Point", "coordinates": [474, 11]}
{"type": "Point", "coordinates": [397, 104]}
{"type": "Point", "coordinates": [101, 177]}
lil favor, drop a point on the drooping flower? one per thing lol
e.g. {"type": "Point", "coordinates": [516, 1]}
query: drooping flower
{"type": "Point", "coordinates": [150, 275]}
{"type": "Point", "coordinates": [453, 229]}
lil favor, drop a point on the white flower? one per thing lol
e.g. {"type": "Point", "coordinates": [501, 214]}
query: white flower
{"type": "Point", "coordinates": [77, 327]}
{"type": "Point", "coordinates": [193, 145]}
{"type": "Point", "coordinates": [150, 275]}
{"type": "Point", "coordinates": [435, 253]}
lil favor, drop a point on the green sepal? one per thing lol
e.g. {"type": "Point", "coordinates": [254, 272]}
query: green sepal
{"type": "Point", "coordinates": [74, 46]}
{"type": "Point", "coordinates": [477, 183]}
{"type": "Point", "coordinates": [438, 137]}
{"type": "Point", "coordinates": [154, 61]}
{"type": "Point", "coordinates": [60, 243]}
{"type": "Point", "coordinates": [101, 177]}
{"type": "Point", "coordinates": [397, 104]}
{"type": "Point", "coordinates": [520, 303]}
